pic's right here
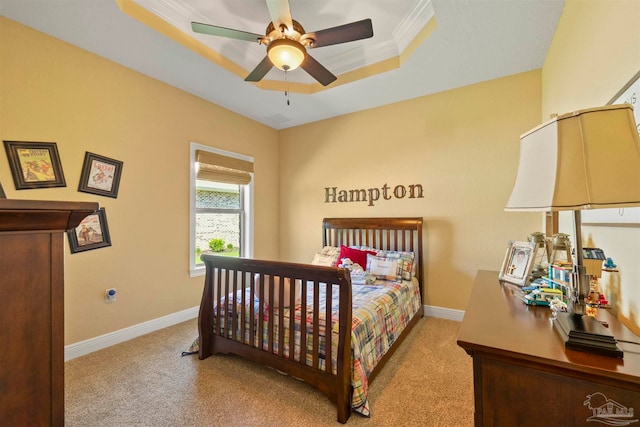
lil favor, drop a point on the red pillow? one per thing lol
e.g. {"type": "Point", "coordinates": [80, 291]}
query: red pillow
{"type": "Point", "coordinates": [355, 255]}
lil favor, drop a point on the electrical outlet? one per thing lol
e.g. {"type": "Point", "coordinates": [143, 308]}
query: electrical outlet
{"type": "Point", "coordinates": [110, 295]}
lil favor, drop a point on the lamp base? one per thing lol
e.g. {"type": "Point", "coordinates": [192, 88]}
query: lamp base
{"type": "Point", "coordinates": [585, 333]}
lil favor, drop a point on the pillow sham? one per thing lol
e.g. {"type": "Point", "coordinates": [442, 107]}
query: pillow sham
{"type": "Point", "coordinates": [324, 259]}
{"type": "Point", "coordinates": [385, 267]}
{"type": "Point", "coordinates": [356, 255]}
{"type": "Point", "coordinates": [326, 254]}
{"type": "Point", "coordinates": [408, 264]}
{"type": "Point", "coordinates": [408, 258]}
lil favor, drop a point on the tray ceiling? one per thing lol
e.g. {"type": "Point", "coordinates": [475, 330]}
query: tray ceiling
{"type": "Point", "coordinates": [419, 47]}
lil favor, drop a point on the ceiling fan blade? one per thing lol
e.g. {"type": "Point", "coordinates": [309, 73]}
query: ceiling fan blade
{"type": "Point", "coordinates": [260, 71]}
{"type": "Point", "coordinates": [280, 13]}
{"type": "Point", "coordinates": [213, 30]}
{"type": "Point", "coordinates": [317, 71]}
{"type": "Point", "coordinates": [342, 34]}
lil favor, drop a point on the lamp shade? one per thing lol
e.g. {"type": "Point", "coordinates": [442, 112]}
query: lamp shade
{"type": "Point", "coordinates": [587, 159]}
{"type": "Point", "coordinates": [285, 54]}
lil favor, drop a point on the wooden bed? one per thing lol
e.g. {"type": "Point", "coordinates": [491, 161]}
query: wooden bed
{"type": "Point", "coordinates": [332, 376]}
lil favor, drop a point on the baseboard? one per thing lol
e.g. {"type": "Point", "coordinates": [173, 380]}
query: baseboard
{"type": "Point", "coordinates": [443, 313]}
{"type": "Point", "coordinates": [81, 348]}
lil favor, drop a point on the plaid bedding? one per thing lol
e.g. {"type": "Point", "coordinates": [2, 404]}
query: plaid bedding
{"type": "Point", "coordinates": [380, 313]}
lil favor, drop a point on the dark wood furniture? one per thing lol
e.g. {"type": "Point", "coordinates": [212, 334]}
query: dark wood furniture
{"type": "Point", "coordinates": [32, 309]}
{"type": "Point", "coordinates": [524, 376]}
{"type": "Point", "coordinates": [228, 275]}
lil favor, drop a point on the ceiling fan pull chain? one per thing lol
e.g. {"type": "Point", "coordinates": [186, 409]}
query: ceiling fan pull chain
{"type": "Point", "coordinates": [286, 91]}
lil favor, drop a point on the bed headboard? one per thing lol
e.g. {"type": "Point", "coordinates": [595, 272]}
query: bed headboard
{"type": "Point", "coordinates": [396, 234]}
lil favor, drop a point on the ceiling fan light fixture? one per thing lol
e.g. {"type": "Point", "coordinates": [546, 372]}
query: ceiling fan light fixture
{"type": "Point", "coordinates": [286, 54]}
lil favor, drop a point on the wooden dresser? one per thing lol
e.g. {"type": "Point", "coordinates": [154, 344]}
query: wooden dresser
{"type": "Point", "coordinates": [32, 309]}
{"type": "Point", "coordinates": [524, 376]}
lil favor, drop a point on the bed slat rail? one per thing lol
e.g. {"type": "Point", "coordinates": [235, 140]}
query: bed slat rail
{"type": "Point", "coordinates": [241, 329]}
{"type": "Point", "coordinates": [232, 327]}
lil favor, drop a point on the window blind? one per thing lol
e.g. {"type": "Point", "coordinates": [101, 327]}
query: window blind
{"type": "Point", "coordinates": [220, 168]}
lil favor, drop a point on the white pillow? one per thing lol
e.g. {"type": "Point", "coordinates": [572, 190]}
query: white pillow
{"type": "Point", "coordinates": [408, 260]}
{"type": "Point", "coordinates": [324, 259]}
{"type": "Point", "coordinates": [387, 268]}
{"type": "Point", "coordinates": [331, 251]}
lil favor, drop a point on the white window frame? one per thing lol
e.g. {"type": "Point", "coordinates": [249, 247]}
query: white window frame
{"type": "Point", "coordinates": [199, 270]}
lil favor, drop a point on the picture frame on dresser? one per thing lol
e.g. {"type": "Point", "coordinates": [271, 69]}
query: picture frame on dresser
{"type": "Point", "coordinates": [518, 262]}
{"type": "Point", "coordinates": [2, 195]}
{"type": "Point", "coordinates": [100, 175]}
{"type": "Point", "coordinates": [91, 233]}
{"type": "Point", "coordinates": [34, 164]}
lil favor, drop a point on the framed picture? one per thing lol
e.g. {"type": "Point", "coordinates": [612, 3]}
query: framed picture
{"type": "Point", "coordinates": [2, 195]}
{"type": "Point", "coordinates": [34, 164]}
{"type": "Point", "coordinates": [100, 175]}
{"type": "Point", "coordinates": [91, 233]}
{"type": "Point", "coordinates": [517, 263]}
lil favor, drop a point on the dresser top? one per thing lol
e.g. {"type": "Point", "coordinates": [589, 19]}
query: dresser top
{"type": "Point", "coordinates": [39, 215]}
{"type": "Point", "coordinates": [499, 323]}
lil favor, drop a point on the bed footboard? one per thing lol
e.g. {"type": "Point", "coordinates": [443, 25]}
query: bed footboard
{"type": "Point", "coordinates": [249, 309]}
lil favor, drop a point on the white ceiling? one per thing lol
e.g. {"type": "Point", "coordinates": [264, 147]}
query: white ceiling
{"type": "Point", "coordinates": [474, 41]}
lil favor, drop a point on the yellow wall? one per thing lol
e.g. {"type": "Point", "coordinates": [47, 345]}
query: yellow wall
{"type": "Point", "coordinates": [53, 92]}
{"type": "Point", "coordinates": [462, 146]}
{"type": "Point", "coordinates": [594, 53]}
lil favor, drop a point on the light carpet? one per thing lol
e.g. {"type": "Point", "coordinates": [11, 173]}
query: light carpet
{"type": "Point", "coordinates": [146, 382]}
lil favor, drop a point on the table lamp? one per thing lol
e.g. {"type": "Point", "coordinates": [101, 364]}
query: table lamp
{"type": "Point", "coordinates": [587, 159]}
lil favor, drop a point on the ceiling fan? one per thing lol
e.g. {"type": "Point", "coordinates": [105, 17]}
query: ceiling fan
{"type": "Point", "coordinates": [287, 42]}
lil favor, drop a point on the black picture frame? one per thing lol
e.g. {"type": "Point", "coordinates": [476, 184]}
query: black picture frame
{"type": "Point", "coordinates": [100, 175]}
{"type": "Point", "coordinates": [91, 233]}
{"type": "Point", "coordinates": [34, 164]}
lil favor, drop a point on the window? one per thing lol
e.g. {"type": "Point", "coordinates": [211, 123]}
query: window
{"type": "Point", "coordinates": [221, 205]}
